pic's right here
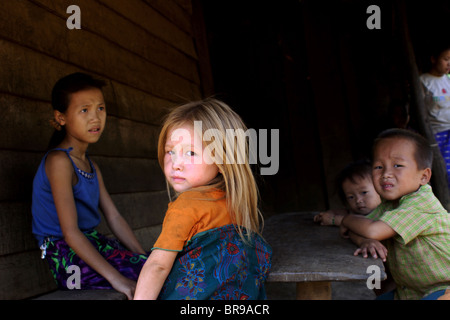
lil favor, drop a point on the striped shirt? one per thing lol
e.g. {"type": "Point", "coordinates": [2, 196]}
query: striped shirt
{"type": "Point", "coordinates": [419, 255]}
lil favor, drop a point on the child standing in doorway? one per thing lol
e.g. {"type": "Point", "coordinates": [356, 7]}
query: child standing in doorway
{"type": "Point", "coordinates": [436, 84]}
{"type": "Point", "coordinates": [68, 190]}
{"type": "Point", "coordinates": [210, 245]}
{"type": "Point", "coordinates": [410, 218]}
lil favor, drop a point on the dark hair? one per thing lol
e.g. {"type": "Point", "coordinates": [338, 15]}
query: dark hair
{"type": "Point", "coordinates": [361, 168]}
{"type": "Point", "coordinates": [423, 153]}
{"type": "Point", "coordinates": [438, 49]}
{"type": "Point", "coordinates": [61, 95]}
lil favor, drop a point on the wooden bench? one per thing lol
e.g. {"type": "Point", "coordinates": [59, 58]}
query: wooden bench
{"type": "Point", "coordinates": [313, 256]}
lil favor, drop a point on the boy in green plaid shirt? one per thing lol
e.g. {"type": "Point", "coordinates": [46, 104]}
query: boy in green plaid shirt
{"type": "Point", "coordinates": [411, 220]}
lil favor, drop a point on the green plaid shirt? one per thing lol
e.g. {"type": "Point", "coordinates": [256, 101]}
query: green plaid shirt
{"type": "Point", "coordinates": [419, 255]}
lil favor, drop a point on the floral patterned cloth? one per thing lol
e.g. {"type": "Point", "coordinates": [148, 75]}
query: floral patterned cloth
{"type": "Point", "coordinates": [60, 257]}
{"type": "Point", "coordinates": [218, 265]}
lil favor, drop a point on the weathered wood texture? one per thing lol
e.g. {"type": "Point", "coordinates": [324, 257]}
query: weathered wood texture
{"type": "Point", "coordinates": [146, 51]}
{"type": "Point", "coordinates": [304, 251]}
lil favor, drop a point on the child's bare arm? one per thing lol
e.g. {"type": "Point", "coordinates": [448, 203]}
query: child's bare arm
{"type": "Point", "coordinates": [154, 274]}
{"type": "Point", "coordinates": [367, 228]}
{"type": "Point", "coordinates": [115, 220]}
{"type": "Point", "coordinates": [368, 246]}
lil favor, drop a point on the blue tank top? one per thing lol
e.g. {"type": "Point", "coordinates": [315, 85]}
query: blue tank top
{"type": "Point", "coordinates": [86, 193]}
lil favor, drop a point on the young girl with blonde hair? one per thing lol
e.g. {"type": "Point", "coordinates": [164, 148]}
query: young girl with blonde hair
{"type": "Point", "coordinates": [210, 246]}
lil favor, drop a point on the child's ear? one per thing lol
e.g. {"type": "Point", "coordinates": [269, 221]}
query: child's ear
{"type": "Point", "coordinates": [59, 117]}
{"type": "Point", "coordinates": [426, 176]}
{"type": "Point", "coordinates": [433, 60]}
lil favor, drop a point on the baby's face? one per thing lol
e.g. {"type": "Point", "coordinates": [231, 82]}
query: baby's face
{"type": "Point", "coordinates": [361, 195]}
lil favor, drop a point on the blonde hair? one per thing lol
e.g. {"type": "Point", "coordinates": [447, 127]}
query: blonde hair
{"type": "Point", "coordinates": [235, 176]}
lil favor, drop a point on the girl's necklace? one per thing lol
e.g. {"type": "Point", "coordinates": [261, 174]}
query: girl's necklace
{"type": "Point", "coordinates": [84, 161]}
{"type": "Point", "coordinates": [79, 158]}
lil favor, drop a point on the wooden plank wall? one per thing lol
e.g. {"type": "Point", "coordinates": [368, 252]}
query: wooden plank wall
{"type": "Point", "coordinates": [146, 52]}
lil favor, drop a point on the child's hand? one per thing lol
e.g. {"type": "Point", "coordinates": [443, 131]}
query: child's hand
{"type": "Point", "coordinates": [372, 247]}
{"type": "Point", "coordinates": [344, 231]}
{"type": "Point", "coordinates": [330, 217]}
{"type": "Point", "coordinates": [320, 217]}
{"type": "Point", "coordinates": [124, 285]}
{"type": "Point", "coordinates": [326, 218]}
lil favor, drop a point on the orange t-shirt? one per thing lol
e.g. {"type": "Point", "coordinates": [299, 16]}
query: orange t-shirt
{"type": "Point", "coordinates": [191, 213]}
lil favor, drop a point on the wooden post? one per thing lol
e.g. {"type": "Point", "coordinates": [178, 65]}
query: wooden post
{"type": "Point", "coordinates": [200, 37]}
{"type": "Point", "coordinates": [439, 176]}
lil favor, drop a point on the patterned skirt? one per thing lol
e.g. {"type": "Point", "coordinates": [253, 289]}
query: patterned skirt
{"type": "Point", "coordinates": [443, 141]}
{"type": "Point", "coordinates": [218, 265]}
{"type": "Point", "coordinates": [64, 263]}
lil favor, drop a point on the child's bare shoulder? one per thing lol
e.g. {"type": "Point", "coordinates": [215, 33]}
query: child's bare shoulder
{"type": "Point", "coordinates": [58, 160]}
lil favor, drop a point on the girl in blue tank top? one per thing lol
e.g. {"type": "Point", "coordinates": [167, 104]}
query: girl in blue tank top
{"type": "Point", "coordinates": [68, 190]}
